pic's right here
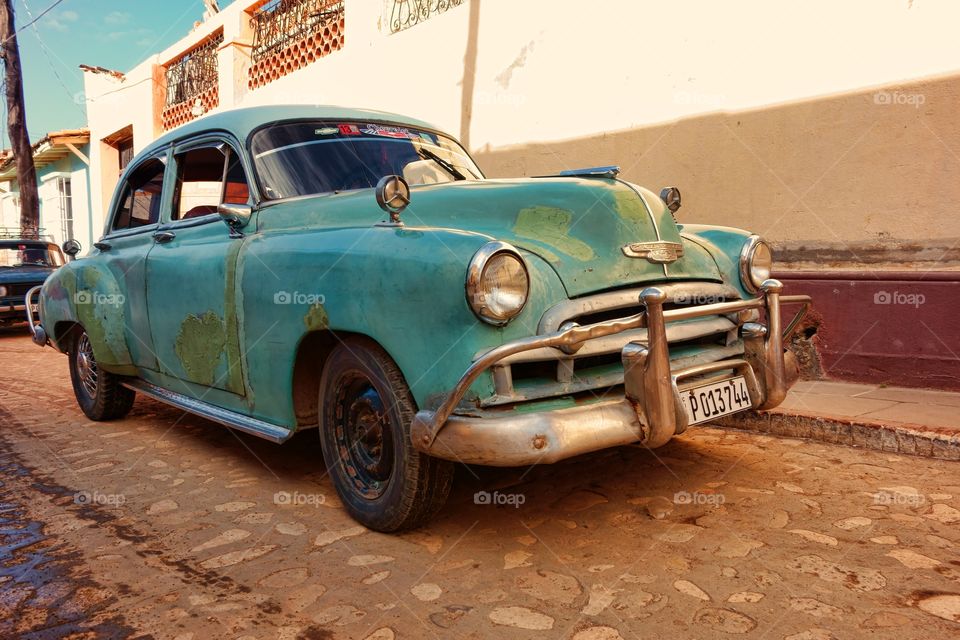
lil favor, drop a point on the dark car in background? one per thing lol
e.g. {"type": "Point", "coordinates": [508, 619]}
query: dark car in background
{"type": "Point", "coordinates": [24, 264]}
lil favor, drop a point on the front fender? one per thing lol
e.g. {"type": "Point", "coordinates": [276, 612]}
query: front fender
{"type": "Point", "coordinates": [725, 245]}
{"type": "Point", "coordinates": [402, 287]}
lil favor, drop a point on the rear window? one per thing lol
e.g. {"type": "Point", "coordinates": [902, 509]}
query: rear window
{"type": "Point", "coordinates": [29, 254]}
{"type": "Point", "coordinates": [321, 157]}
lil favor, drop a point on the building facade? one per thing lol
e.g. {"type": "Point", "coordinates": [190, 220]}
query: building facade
{"type": "Point", "coordinates": [63, 183]}
{"type": "Point", "coordinates": [831, 131]}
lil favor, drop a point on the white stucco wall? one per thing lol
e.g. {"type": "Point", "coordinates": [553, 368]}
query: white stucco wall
{"type": "Point", "coordinates": [508, 74]}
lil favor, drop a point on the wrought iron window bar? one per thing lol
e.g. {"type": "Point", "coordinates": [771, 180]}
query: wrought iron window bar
{"type": "Point", "coordinates": [193, 73]}
{"type": "Point", "coordinates": [280, 23]}
{"type": "Point", "coordinates": [408, 13]}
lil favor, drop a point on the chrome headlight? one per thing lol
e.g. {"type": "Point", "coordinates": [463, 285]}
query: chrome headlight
{"type": "Point", "coordinates": [756, 262]}
{"type": "Point", "coordinates": [3, 291]}
{"type": "Point", "coordinates": [497, 283]}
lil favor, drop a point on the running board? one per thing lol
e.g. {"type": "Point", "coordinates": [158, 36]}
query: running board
{"type": "Point", "coordinates": [234, 420]}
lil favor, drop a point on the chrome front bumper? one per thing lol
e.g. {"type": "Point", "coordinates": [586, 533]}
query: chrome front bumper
{"type": "Point", "coordinates": [650, 411]}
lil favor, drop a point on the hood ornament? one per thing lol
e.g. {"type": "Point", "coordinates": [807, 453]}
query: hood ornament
{"type": "Point", "coordinates": [659, 252]}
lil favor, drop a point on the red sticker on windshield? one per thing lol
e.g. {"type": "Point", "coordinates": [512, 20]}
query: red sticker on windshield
{"type": "Point", "coordinates": [349, 129]}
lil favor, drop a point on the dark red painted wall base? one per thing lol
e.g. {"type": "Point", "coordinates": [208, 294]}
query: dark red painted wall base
{"type": "Point", "coordinates": [900, 328]}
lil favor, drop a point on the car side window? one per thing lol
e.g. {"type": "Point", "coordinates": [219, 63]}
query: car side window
{"type": "Point", "coordinates": [140, 202]}
{"type": "Point", "coordinates": [207, 177]}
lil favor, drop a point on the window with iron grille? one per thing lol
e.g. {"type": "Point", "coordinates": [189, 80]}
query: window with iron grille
{"type": "Point", "coordinates": [193, 73]}
{"type": "Point", "coordinates": [408, 13]}
{"type": "Point", "coordinates": [278, 24]}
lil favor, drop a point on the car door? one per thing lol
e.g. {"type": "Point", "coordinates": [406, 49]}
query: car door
{"type": "Point", "coordinates": [191, 271]}
{"type": "Point", "coordinates": [137, 209]}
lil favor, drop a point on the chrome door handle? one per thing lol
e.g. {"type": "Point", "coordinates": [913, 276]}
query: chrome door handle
{"type": "Point", "coordinates": [164, 236]}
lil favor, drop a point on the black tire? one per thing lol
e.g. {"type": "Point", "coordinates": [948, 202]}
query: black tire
{"type": "Point", "coordinates": [366, 409]}
{"type": "Point", "coordinates": [99, 393]}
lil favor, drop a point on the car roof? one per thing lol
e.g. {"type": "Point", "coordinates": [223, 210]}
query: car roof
{"type": "Point", "coordinates": [241, 121]}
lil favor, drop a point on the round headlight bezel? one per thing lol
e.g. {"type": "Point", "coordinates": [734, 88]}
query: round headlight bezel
{"type": "Point", "coordinates": [749, 277]}
{"type": "Point", "coordinates": [476, 291]}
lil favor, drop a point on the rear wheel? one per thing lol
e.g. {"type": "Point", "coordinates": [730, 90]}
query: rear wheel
{"type": "Point", "coordinates": [366, 409]}
{"type": "Point", "coordinates": [99, 393]}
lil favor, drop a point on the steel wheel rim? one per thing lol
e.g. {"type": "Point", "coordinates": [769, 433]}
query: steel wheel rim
{"type": "Point", "coordinates": [363, 435]}
{"type": "Point", "coordinates": [87, 366]}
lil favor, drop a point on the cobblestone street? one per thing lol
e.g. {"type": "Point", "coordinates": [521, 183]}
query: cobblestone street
{"type": "Point", "coordinates": [165, 525]}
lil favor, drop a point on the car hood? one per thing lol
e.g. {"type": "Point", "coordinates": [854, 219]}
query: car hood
{"type": "Point", "coordinates": [24, 275]}
{"type": "Point", "coordinates": [578, 225]}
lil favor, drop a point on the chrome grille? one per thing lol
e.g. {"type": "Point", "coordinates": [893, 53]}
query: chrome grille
{"type": "Point", "coordinates": [596, 366]}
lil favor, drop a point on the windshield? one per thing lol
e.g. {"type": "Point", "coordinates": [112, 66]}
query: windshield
{"type": "Point", "coordinates": [29, 255]}
{"type": "Point", "coordinates": [319, 157]}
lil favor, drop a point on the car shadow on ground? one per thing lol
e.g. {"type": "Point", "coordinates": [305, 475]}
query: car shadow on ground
{"type": "Point", "coordinates": [479, 493]}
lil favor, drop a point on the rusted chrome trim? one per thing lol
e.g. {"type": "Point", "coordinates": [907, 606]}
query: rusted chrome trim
{"type": "Point", "coordinates": [240, 422]}
{"type": "Point", "coordinates": [430, 423]}
{"type": "Point", "coordinates": [503, 437]}
{"type": "Point", "coordinates": [37, 331]}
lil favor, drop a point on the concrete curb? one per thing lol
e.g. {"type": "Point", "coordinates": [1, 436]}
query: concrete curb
{"type": "Point", "coordinates": [930, 442]}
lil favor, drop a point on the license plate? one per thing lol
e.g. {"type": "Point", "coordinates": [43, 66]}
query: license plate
{"type": "Point", "coordinates": [716, 399]}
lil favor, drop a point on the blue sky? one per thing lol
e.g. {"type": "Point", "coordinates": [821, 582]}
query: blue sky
{"type": "Point", "coordinates": [116, 34]}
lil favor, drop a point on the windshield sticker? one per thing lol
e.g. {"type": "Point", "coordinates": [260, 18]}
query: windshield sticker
{"type": "Point", "coordinates": [326, 131]}
{"type": "Point", "coordinates": [349, 129]}
{"type": "Point", "coordinates": [398, 133]}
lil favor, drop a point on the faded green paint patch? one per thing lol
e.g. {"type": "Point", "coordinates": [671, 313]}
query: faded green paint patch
{"type": "Point", "coordinates": [630, 207]}
{"type": "Point", "coordinates": [200, 346]}
{"type": "Point", "coordinates": [550, 226]}
{"type": "Point", "coordinates": [316, 318]}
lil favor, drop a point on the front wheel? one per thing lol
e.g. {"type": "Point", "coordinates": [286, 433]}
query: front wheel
{"type": "Point", "coordinates": [99, 393]}
{"type": "Point", "coordinates": [366, 408]}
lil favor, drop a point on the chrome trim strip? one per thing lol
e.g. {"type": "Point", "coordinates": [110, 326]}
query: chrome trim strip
{"type": "Point", "coordinates": [614, 343]}
{"type": "Point", "coordinates": [624, 298]}
{"type": "Point", "coordinates": [238, 421]}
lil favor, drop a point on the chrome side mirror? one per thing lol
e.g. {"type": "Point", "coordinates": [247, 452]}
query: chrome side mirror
{"type": "Point", "coordinates": [235, 216]}
{"type": "Point", "coordinates": [71, 247]}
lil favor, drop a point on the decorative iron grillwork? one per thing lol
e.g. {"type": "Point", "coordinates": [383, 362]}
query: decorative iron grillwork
{"type": "Point", "coordinates": [279, 23]}
{"type": "Point", "coordinates": [408, 13]}
{"type": "Point", "coordinates": [194, 72]}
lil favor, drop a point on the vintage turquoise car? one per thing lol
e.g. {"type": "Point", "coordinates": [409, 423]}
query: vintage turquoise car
{"type": "Point", "coordinates": [292, 267]}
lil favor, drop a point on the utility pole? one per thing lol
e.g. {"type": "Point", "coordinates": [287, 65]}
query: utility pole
{"type": "Point", "coordinates": [17, 123]}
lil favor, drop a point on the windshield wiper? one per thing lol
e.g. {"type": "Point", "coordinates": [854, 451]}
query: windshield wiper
{"type": "Point", "coordinates": [449, 168]}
